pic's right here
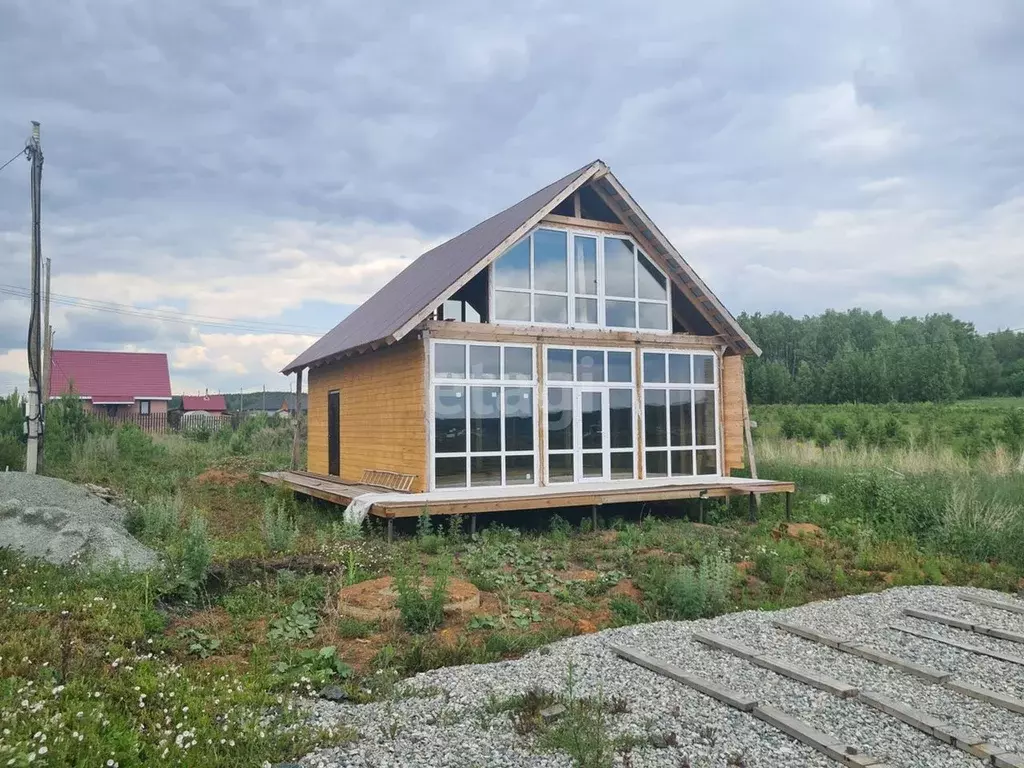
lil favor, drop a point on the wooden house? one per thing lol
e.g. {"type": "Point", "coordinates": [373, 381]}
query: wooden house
{"type": "Point", "coordinates": [560, 353]}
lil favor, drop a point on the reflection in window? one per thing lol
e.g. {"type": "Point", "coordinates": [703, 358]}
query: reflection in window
{"type": "Point", "coordinates": [512, 270]}
{"type": "Point", "coordinates": [589, 365]}
{"type": "Point", "coordinates": [559, 365]}
{"type": "Point", "coordinates": [449, 361]}
{"type": "Point", "coordinates": [549, 266]}
{"type": "Point", "coordinates": [620, 418]}
{"type": "Point", "coordinates": [686, 383]}
{"type": "Point", "coordinates": [518, 363]}
{"type": "Point", "coordinates": [620, 366]}
{"type": "Point", "coordinates": [559, 418]}
{"type": "Point", "coordinates": [568, 278]}
{"type": "Point", "coordinates": [450, 419]}
{"type": "Point", "coordinates": [619, 268]}
{"type": "Point", "coordinates": [484, 362]}
{"type": "Point", "coordinates": [484, 419]}
{"type": "Point", "coordinates": [483, 433]}
{"type": "Point", "coordinates": [511, 306]}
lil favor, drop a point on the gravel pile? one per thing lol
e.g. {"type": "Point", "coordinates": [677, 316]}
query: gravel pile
{"type": "Point", "coordinates": [65, 524]}
{"type": "Point", "coordinates": [447, 723]}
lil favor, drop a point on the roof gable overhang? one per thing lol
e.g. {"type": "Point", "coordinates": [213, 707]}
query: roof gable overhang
{"type": "Point", "coordinates": [618, 199]}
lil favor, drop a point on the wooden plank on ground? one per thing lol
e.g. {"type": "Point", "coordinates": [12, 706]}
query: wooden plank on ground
{"type": "Point", "coordinates": [967, 626]}
{"type": "Point", "coordinates": [779, 666]}
{"type": "Point", "coordinates": [707, 687]}
{"type": "Point", "coordinates": [981, 651]}
{"type": "Point", "coordinates": [1002, 605]}
{"type": "Point", "coordinates": [783, 721]}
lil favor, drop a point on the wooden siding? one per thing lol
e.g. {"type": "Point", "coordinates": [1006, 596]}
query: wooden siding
{"type": "Point", "coordinates": [383, 411]}
{"type": "Point", "coordinates": [733, 388]}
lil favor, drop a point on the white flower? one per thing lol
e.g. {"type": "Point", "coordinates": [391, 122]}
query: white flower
{"type": "Point", "coordinates": [43, 750]}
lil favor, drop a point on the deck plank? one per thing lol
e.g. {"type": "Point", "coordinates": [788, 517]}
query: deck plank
{"type": "Point", "coordinates": [405, 504]}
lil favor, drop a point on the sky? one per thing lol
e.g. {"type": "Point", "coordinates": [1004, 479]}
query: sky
{"type": "Point", "coordinates": [245, 173]}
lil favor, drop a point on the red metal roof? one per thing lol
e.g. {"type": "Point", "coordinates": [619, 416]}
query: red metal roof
{"type": "Point", "coordinates": [111, 377]}
{"type": "Point", "coordinates": [210, 403]}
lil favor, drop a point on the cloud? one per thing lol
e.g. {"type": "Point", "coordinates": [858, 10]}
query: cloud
{"type": "Point", "coordinates": [271, 165]}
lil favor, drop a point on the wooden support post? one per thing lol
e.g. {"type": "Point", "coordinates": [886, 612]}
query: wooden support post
{"type": "Point", "coordinates": [748, 439]}
{"type": "Point", "coordinates": [700, 508]}
{"type": "Point", "coordinates": [297, 423]}
{"type": "Point", "coordinates": [753, 508]}
{"type": "Point", "coordinates": [593, 517]}
{"type": "Point", "coordinates": [391, 529]}
{"type": "Point", "coordinates": [789, 506]}
{"type": "Point", "coordinates": [472, 526]}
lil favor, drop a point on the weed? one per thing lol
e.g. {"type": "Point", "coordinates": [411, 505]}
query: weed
{"type": "Point", "coordinates": [196, 554]}
{"type": "Point", "coordinates": [279, 528]}
{"type": "Point", "coordinates": [350, 628]}
{"type": "Point", "coordinates": [156, 520]}
{"type": "Point", "coordinates": [299, 623]}
{"type": "Point", "coordinates": [685, 592]}
{"type": "Point", "coordinates": [199, 643]}
{"type": "Point", "coordinates": [422, 612]}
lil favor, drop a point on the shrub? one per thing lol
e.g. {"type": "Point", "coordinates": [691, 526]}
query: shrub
{"type": "Point", "coordinates": [134, 445]}
{"type": "Point", "coordinates": [279, 528]}
{"type": "Point", "coordinates": [196, 554]}
{"type": "Point", "coordinates": [692, 593]}
{"type": "Point", "coordinates": [67, 427]}
{"type": "Point", "coordinates": [157, 519]}
{"type": "Point", "coordinates": [422, 612]}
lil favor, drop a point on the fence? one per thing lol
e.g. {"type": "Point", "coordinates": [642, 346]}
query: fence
{"type": "Point", "coordinates": [175, 421]}
{"type": "Point", "coordinates": [149, 422]}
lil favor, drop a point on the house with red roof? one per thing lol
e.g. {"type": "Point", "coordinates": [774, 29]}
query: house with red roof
{"type": "Point", "coordinates": [208, 403]}
{"type": "Point", "coordinates": [113, 383]}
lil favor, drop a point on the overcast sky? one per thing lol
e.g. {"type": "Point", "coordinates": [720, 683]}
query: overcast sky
{"type": "Point", "coordinates": [269, 165]}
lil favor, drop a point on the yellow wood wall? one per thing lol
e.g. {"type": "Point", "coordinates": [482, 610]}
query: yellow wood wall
{"type": "Point", "coordinates": [733, 388]}
{"type": "Point", "coordinates": [383, 413]}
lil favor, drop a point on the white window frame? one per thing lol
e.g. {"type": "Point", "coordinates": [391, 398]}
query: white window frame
{"type": "Point", "coordinates": [691, 387]}
{"type": "Point", "coordinates": [468, 381]}
{"type": "Point", "coordinates": [602, 295]}
{"type": "Point", "coordinates": [576, 387]}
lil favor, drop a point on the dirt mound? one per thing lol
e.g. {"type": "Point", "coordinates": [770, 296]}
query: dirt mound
{"type": "Point", "coordinates": [226, 477]}
{"type": "Point", "coordinates": [375, 599]}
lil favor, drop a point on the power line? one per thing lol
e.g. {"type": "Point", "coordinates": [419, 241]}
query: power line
{"type": "Point", "coordinates": [254, 326]}
{"type": "Point", "coordinates": [22, 152]}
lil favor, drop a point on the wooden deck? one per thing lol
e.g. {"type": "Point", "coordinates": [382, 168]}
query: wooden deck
{"type": "Point", "coordinates": [470, 501]}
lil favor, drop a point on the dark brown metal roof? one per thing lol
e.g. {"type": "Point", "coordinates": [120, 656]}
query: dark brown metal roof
{"type": "Point", "coordinates": [420, 284]}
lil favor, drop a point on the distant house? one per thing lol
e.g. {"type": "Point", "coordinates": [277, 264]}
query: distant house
{"type": "Point", "coordinates": [113, 383]}
{"type": "Point", "coordinates": [287, 408]}
{"type": "Point", "coordinates": [208, 403]}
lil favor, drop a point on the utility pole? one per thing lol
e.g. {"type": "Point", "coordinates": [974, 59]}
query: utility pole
{"type": "Point", "coordinates": [34, 420]}
{"type": "Point", "coordinates": [47, 353]}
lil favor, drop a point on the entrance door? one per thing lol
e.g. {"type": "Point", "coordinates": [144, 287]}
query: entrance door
{"type": "Point", "coordinates": [592, 441]}
{"type": "Point", "coordinates": [334, 433]}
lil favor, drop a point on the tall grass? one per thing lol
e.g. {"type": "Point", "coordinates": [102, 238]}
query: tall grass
{"type": "Point", "coordinates": [970, 508]}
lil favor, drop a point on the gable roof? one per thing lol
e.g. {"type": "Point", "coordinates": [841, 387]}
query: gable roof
{"type": "Point", "coordinates": [423, 285]}
{"type": "Point", "coordinates": [211, 403]}
{"type": "Point", "coordinates": [110, 377]}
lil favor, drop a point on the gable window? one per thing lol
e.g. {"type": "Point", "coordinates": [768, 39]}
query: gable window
{"type": "Point", "coordinates": [144, 407]}
{"type": "Point", "coordinates": [570, 278]}
{"type": "Point", "coordinates": [483, 398]}
{"type": "Point", "coordinates": [680, 414]}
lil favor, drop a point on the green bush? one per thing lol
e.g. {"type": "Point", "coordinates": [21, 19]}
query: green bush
{"type": "Point", "coordinates": [196, 554]}
{"type": "Point", "coordinates": [422, 612]}
{"type": "Point", "coordinates": [156, 520]}
{"type": "Point", "coordinates": [279, 528]}
{"type": "Point", "coordinates": [685, 592]}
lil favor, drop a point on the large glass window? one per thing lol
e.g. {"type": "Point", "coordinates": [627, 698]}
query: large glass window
{"type": "Point", "coordinates": [561, 277]}
{"type": "Point", "coordinates": [680, 419]}
{"type": "Point", "coordinates": [484, 413]}
{"type": "Point", "coordinates": [591, 424]}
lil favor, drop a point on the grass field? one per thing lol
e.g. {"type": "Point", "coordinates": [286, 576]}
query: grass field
{"type": "Point", "coordinates": [203, 662]}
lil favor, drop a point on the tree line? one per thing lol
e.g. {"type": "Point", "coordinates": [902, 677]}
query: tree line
{"type": "Point", "coordinates": [863, 357]}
